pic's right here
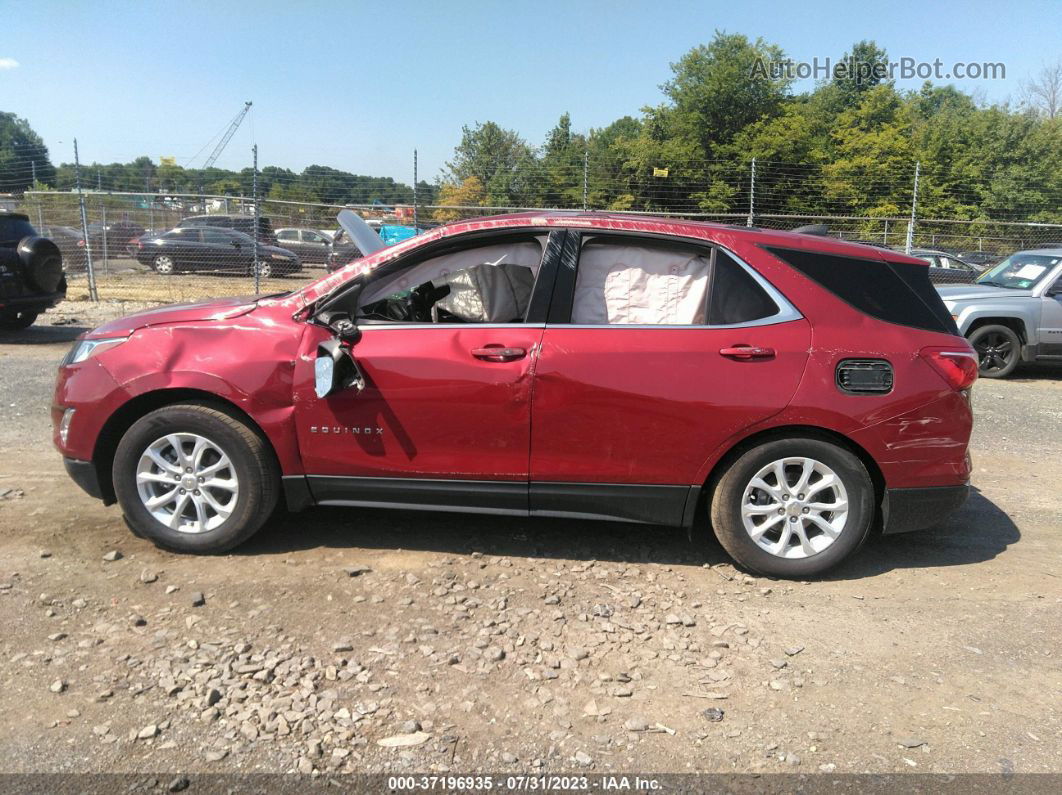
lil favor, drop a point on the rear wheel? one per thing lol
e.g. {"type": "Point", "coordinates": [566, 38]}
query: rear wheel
{"type": "Point", "coordinates": [16, 321]}
{"type": "Point", "coordinates": [793, 507]}
{"type": "Point", "coordinates": [265, 270]}
{"type": "Point", "coordinates": [998, 350]}
{"type": "Point", "coordinates": [194, 479]}
{"type": "Point", "coordinates": [164, 265]}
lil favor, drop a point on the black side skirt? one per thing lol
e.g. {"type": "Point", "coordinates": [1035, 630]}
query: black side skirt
{"type": "Point", "coordinates": [648, 504]}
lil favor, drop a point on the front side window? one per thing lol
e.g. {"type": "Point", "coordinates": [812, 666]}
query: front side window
{"type": "Point", "coordinates": [485, 284]}
{"type": "Point", "coordinates": [312, 237]}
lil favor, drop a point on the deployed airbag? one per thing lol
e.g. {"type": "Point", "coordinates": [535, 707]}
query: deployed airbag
{"type": "Point", "coordinates": [625, 284]}
{"type": "Point", "coordinates": [488, 293]}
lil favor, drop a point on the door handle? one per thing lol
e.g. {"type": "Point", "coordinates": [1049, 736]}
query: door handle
{"type": "Point", "coordinates": [747, 352]}
{"type": "Point", "coordinates": [499, 353]}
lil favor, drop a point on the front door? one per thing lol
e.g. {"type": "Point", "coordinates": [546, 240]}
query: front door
{"type": "Point", "coordinates": [447, 348]}
{"type": "Point", "coordinates": [665, 354]}
{"type": "Point", "coordinates": [1051, 319]}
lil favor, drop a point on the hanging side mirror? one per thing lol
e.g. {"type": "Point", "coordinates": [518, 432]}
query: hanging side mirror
{"type": "Point", "coordinates": [335, 369]}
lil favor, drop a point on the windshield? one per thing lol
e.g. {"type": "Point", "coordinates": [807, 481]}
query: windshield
{"type": "Point", "coordinates": [1020, 271]}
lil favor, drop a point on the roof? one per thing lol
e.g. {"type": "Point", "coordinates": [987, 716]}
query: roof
{"type": "Point", "coordinates": [723, 234]}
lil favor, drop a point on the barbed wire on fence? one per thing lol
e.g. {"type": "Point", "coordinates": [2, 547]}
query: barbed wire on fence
{"type": "Point", "coordinates": [877, 204]}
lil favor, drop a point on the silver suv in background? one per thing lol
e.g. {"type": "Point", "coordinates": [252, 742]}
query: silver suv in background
{"type": "Point", "coordinates": [1013, 312]}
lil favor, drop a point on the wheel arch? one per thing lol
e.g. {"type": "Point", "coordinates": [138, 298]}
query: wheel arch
{"type": "Point", "coordinates": [132, 410]}
{"type": "Point", "coordinates": [1014, 323]}
{"type": "Point", "coordinates": [741, 446]}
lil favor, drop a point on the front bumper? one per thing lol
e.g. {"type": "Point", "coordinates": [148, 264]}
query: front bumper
{"type": "Point", "coordinates": [904, 510]}
{"type": "Point", "coordinates": [83, 473]}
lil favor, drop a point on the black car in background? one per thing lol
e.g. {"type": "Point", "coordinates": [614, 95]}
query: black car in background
{"type": "Point", "coordinates": [982, 259]}
{"type": "Point", "coordinates": [31, 272]}
{"type": "Point", "coordinates": [945, 268]}
{"type": "Point", "coordinates": [312, 245]}
{"type": "Point", "coordinates": [213, 250]}
{"type": "Point", "coordinates": [71, 245]}
{"type": "Point", "coordinates": [342, 251]}
{"type": "Point", "coordinates": [240, 223]}
{"type": "Point", "coordinates": [118, 236]}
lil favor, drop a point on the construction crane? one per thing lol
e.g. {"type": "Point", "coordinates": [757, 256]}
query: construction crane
{"type": "Point", "coordinates": [226, 137]}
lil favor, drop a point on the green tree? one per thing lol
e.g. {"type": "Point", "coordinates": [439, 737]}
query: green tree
{"type": "Point", "coordinates": [22, 152]}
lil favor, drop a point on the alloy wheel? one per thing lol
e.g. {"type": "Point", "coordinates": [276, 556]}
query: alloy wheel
{"type": "Point", "coordinates": [164, 265]}
{"type": "Point", "coordinates": [187, 482]}
{"type": "Point", "coordinates": [994, 352]}
{"type": "Point", "coordinates": [794, 507]}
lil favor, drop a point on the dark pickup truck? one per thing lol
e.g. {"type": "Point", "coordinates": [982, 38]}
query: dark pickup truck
{"type": "Point", "coordinates": [31, 273]}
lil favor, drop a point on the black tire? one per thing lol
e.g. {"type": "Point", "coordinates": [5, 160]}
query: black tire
{"type": "Point", "coordinates": [16, 321]}
{"type": "Point", "coordinates": [252, 463]}
{"type": "Point", "coordinates": [998, 350]}
{"type": "Point", "coordinates": [729, 492]}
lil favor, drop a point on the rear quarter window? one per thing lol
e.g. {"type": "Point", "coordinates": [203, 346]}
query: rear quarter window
{"type": "Point", "coordinates": [14, 229]}
{"type": "Point", "coordinates": [896, 292]}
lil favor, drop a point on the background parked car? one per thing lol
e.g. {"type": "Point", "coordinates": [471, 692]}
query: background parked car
{"type": "Point", "coordinates": [213, 250]}
{"type": "Point", "coordinates": [71, 245]}
{"type": "Point", "coordinates": [982, 259]}
{"type": "Point", "coordinates": [945, 268]}
{"type": "Point", "coordinates": [312, 245]}
{"type": "Point", "coordinates": [342, 251]}
{"type": "Point", "coordinates": [120, 235]}
{"type": "Point", "coordinates": [1013, 313]}
{"type": "Point", "coordinates": [241, 223]}
{"type": "Point", "coordinates": [31, 272]}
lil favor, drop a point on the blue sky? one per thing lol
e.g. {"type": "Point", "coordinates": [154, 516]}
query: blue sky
{"type": "Point", "coordinates": [359, 85]}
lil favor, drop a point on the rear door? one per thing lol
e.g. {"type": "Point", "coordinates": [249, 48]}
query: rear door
{"type": "Point", "coordinates": [655, 355]}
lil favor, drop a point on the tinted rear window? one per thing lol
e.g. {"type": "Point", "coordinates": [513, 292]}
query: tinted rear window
{"type": "Point", "coordinates": [14, 229]}
{"type": "Point", "coordinates": [896, 292]}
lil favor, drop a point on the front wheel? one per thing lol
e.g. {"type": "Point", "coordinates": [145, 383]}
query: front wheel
{"type": "Point", "coordinates": [793, 507]}
{"type": "Point", "coordinates": [998, 351]}
{"type": "Point", "coordinates": [194, 479]}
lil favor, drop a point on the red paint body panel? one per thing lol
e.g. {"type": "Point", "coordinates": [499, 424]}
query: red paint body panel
{"type": "Point", "coordinates": [648, 406]}
{"type": "Point", "coordinates": [430, 408]}
{"type": "Point", "coordinates": [616, 405]}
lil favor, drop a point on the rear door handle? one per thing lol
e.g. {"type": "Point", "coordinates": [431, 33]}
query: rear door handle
{"type": "Point", "coordinates": [499, 353]}
{"type": "Point", "coordinates": [747, 352]}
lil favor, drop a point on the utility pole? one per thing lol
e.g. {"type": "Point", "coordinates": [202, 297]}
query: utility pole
{"type": "Point", "coordinates": [752, 195]}
{"type": "Point", "coordinates": [33, 167]}
{"type": "Point", "coordinates": [93, 295]}
{"type": "Point", "coordinates": [586, 179]}
{"type": "Point", "coordinates": [254, 196]}
{"type": "Point", "coordinates": [914, 210]}
{"type": "Point", "coordinates": [415, 227]}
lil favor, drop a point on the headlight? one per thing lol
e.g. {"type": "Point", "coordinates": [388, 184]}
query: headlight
{"type": "Point", "coordinates": [278, 256]}
{"type": "Point", "coordinates": [83, 349]}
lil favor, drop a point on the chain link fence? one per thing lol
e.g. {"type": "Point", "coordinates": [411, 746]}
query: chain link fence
{"type": "Point", "coordinates": [162, 246]}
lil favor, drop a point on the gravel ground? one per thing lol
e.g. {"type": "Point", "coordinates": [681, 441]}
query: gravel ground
{"type": "Point", "coordinates": [387, 641]}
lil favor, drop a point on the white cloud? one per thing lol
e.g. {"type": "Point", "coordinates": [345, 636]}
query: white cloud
{"type": "Point", "coordinates": [8, 63]}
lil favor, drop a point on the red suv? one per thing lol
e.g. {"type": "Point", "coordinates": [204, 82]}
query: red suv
{"type": "Point", "coordinates": [789, 392]}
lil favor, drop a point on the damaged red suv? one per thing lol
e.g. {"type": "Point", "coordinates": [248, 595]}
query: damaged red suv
{"type": "Point", "coordinates": [786, 391]}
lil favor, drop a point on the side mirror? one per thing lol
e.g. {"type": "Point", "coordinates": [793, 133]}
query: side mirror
{"type": "Point", "coordinates": [236, 244]}
{"type": "Point", "coordinates": [335, 369]}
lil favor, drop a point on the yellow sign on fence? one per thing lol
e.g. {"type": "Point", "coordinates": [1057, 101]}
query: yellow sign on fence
{"type": "Point", "coordinates": [660, 172]}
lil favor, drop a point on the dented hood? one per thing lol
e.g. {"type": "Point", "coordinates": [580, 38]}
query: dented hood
{"type": "Point", "coordinates": [219, 309]}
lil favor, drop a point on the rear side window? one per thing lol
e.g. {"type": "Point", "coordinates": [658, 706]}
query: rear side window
{"type": "Point", "coordinates": [735, 296]}
{"type": "Point", "coordinates": [13, 229]}
{"type": "Point", "coordinates": [896, 292]}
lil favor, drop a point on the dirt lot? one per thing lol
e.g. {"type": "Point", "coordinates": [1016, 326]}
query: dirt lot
{"type": "Point", "coordinates": [368, 641]}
